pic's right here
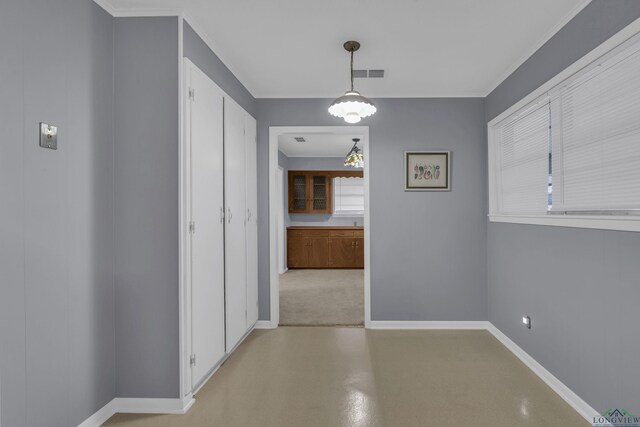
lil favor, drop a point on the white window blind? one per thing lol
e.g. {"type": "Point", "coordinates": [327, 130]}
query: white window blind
{"type": "Point", "coordinates": [348, 196]}
{"type": "Point", "coordinates": [524, 162]}
{"type": "Point", "coordinates": [596, 145]}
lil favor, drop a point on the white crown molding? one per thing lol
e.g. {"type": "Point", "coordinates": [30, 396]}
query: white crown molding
{"type": "Point", "coordinates": [130, 13]}
{"type": "Point", "coordinates": [199, 30]}
{"type": "Point", "coordinates": [564, 21]}
{"type": "Point", "coordinates": [395, 324]}
{"type": "Point", "coordinates": [373, 96]}
{"type": "Point", "coordinates": [618, 38]}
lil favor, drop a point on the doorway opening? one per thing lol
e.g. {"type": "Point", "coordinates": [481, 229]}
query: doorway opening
{"type": "Point", "coordinates": [319, 227]}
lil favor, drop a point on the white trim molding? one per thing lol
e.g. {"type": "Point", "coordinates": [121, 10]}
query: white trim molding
{"type": "Point", "coordinates": [135, 12]}
{"type": "Point", "coordinates": [552, 32]}
{"type": "Point", "coordinates": [154, 406]}
{"type": "Point", "coordinates": [612, 221]}
{"type": "Point", "coordinates": [615, 40]}
{"type": "Point", "coordinates": [274, 282]}
{"type": "Point", "coordinates": [264, 324]}
{"type": "Point", "coordinates": [101, 416]}
{"type": "Point", "coordinates": [568, 395]}
{"type": "Point", "coordinates": [410, 324]}
{"type": "Point", "coordinates": [575, 401]}
{"type": "Point", "coordinates": [138, 406]}
{"type": "Point", "coordinates": [601, 222]}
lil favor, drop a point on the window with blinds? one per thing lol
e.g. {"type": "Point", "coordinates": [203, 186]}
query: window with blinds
{"type": "Point", "coordinates": [348, 196]}
{"type": "Point", "coordinates": [524, 159]}
{"type": "Point", "coordinates": [576, 149]}
{"type": "Point", "coordinates": [596, 147]}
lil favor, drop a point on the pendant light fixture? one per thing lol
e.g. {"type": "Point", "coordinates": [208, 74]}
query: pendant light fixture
{"type": "Point", "coordinates": [355, 158]}
{"type": "Point", "coordinates": [352, 106]}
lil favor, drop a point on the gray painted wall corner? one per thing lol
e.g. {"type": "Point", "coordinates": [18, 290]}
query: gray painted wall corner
{"type": "Point", "coordinates": [146, 207]}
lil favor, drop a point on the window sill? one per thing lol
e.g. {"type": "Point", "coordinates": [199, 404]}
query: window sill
{"type": "Point", "coordinates": [349, 214]}
{"type": "Point", "coordinates": [603, 222]}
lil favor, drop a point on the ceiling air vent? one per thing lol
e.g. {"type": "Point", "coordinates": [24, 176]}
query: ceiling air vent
{"type": "Point", "coordinates": [371, 74]}
{"type": "Point", "coordinates": [299, 139]}
{"type": "Point", "coordinates": [360, 74]}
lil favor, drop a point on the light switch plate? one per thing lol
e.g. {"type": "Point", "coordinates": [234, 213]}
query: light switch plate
{"type": "Point", "coordinates": [48, 136]}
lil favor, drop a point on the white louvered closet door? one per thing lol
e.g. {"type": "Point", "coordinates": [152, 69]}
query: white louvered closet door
{"type": "Point", "coordinates": [235, 237]}
{"type": "Point", "coordinates": [524, 151]}
{"type": "Point", "coordinates": [252, 219]}
{"type": "Point", "coordinates": [596, 150]}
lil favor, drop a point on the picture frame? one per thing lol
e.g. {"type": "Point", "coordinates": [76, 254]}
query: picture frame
{"type": "Point", "coordinates": [427, 171]}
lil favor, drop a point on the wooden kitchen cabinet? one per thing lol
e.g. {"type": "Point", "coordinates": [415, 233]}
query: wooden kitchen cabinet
{"type": "Point", "coordinates": [325, 247]}
{"type": "Point", "coordinates": [310, 192]}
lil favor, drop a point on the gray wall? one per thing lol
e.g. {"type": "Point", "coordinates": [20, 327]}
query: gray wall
{"type": "Point", "coordinates": [317, 163]}
{"type": "Point", "coordinates": [57, 361]}
{"type": "Point", "coordinates": [204, 58]}
{"type": "Point", "coordinates": [579, 286]}
{"type": "Point", "coordinates": [283, 162]}
{"type": "Point", "coordinates": [428, 249]}
{"type": "Point", "coordinates": [146, 206]}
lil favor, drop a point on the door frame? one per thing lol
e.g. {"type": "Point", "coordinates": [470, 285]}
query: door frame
{"type": "Point", "coordinates": [274, 280]}
{"type": "Point", "coordinates": [281, 235]}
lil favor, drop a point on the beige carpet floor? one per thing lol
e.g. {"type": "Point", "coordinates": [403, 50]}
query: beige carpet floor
{"type": "Point", "coordinates": [322, 298]}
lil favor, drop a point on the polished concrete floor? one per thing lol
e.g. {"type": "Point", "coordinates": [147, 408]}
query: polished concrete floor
{"type": "Point", "coordinates": [322, 298]}
{"type": "Point", "coordinates": [326, 377]}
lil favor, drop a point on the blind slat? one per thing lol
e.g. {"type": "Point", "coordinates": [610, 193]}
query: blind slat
{"type": "Point", "coordinates": [598, 145]}
{"type": "Point", "coordinates": [524, 152]}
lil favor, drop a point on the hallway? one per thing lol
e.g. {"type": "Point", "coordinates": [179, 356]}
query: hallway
{"type": "Point", "coordinates": [326, 377]}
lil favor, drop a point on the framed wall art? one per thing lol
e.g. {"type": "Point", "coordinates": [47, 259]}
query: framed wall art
{"type": "Point", "coordinates": [427, 171]}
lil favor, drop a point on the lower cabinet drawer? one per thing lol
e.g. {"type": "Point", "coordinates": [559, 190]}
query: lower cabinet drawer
{"type": "Point", "coordinates": [341, 233]}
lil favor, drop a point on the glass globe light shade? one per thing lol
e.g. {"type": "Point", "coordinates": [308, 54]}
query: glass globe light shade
{"type": "Point", "coordinates": [352, 107]}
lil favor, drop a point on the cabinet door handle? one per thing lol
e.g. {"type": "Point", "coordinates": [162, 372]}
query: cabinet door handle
{"type": "Point", "coordinates": [229, 215]}
{"type": "Point", "coordinates": [222, 215]}
{"type": "Point", "coordinates": [248, 214]}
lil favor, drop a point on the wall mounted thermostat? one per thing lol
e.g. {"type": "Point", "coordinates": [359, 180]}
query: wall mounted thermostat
{"type": "Point", "coordinates": [48, 136]}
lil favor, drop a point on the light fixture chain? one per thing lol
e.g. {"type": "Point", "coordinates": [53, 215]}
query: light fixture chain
{"type": "Point", "coordinates": [352, 71]}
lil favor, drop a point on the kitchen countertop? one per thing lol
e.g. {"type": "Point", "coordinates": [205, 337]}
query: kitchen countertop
{"type": "Point", "coordinates": [328, 227]}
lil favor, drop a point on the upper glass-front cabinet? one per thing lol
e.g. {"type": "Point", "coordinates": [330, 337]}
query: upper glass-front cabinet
{"type": "Point", "coordinates": [310, 192]}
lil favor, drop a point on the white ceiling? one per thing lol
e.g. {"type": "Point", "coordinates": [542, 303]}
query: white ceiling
{"type": "Point", "coordinates": [317, 144]}
{"type": "Point", "coordinates": [293, 48]}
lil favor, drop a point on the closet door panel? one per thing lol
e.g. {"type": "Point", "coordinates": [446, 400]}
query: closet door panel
{"type": "Point", "coordinates": [252, 224]}
{"type": "Point", "coordinates": [207, 239]}
{"type": "Point", "coordinates": [235, 238]}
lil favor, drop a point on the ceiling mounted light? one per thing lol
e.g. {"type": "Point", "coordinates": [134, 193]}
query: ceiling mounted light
{"type": "Point", "coordinates": [355, 158]}
{"type": "Point", "coordinates": [352, 106]}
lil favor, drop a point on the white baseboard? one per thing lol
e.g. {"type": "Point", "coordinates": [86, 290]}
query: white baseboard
{"type": "Point", "coordinates": [181, 406]}
{"type": "Point", "coordinates": [264, 324]}
{"type": "Point", "coordinates": [395, 324]}
{"type": "Point", "coordinates": [101, 417]}
{"type": "Point", "coordinates": [575, 401]}
{"type": "Point", "coordinates": [152, 406]}
{"type": "Point", "coordinates": [138, 406]}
